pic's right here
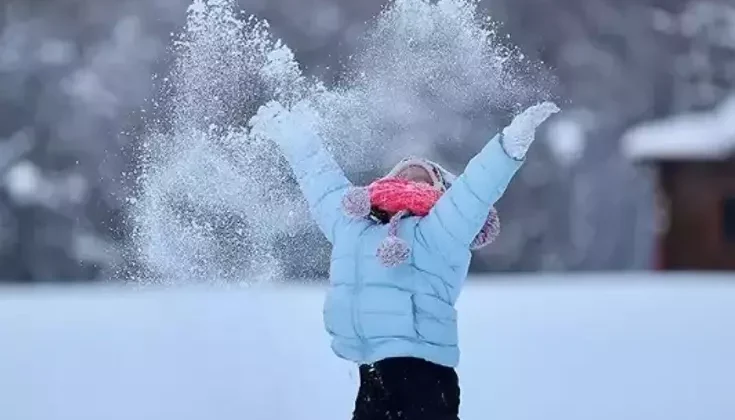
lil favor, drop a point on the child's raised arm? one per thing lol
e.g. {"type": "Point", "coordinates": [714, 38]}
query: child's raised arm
{"type": "Point", "coordinates": [459, 215]}
{"type": "Point", "coordinates": [320, 178]}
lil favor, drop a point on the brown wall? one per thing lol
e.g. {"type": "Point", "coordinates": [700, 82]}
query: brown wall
{"type": "Point", "coordinates": [696, 191]}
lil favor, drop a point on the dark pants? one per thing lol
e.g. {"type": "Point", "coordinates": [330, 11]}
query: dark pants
{"type": "Point", "coordinates": [405, 388]}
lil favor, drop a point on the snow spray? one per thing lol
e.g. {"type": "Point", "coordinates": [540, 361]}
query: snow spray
{"type": "Point", "coordinates": [214, 200]}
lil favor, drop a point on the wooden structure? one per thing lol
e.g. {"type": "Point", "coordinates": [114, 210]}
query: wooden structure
{"type": "Point", "coordinates": [695, 159]}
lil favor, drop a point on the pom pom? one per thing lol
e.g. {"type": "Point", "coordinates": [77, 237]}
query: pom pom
{"type": "Point", "coordinates": [356, 202]}
{"type": "Point", "coordinates": [489, 231]}
{"type": "Point", "coordinates": [393, 251]}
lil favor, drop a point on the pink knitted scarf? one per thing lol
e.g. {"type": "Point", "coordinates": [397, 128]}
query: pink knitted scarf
{"type": "Point", "coordinates": [397, 198]}
{"type": "Point", "coordinates": [394, 195]}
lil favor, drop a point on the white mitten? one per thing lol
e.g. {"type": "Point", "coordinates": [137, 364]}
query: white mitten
{"type": "Point", "coordinates": [279, 124]}
{"type": "Point", "coordinates": [268, 121]}
{"type": "Point", "coordinates": [518, 136]}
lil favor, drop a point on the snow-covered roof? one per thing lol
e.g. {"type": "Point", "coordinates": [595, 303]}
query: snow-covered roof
{"type": "Point", "coordinates": [694, 136]}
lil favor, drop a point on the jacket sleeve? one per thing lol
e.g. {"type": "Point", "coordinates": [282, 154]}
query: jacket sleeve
{"type": "Point", "coordinates": [320, 178]}
{"type": "Point", "coordinates": [459, 215]}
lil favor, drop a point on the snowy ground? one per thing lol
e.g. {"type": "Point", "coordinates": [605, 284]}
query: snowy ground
{"type": "Point", "coordinates": [594, 348]}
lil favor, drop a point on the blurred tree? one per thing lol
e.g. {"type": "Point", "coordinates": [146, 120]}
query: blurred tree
{"type": "Point", "coordinates": [619, 63]}
{"type": "Point", "coordinates": [72, 72]}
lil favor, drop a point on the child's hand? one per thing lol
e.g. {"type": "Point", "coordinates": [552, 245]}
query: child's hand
{"type": "Point", "coordinates": [269, 121]}
{"type": "Point", "coordinates": [280, 124]}
{"type": "Point", "coordinates": [521, 132]}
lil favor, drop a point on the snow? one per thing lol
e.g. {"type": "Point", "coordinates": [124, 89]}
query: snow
{"type": "Point", "coordinates": [14, 147]}
{"type": "Point", "coordinates": [27, 184]}
{"type": "Point", "coordinates": [631, 347]}
{"type": "Point", "coordinates": [24, 182]}
{"type": "Point", "coordinates": [567, 140]}
{"type": "Point", "coordinates": [701, 135]}
{"type": "Point", "coordinates": [56, 52]}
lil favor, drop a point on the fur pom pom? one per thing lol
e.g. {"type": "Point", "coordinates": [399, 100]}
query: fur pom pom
{"type": "Point", "coordinates": [356, 202]}
{"type": "Point", "coordinates": [489, 231]}
{"type": "Point", "coordinates": [393, 251]}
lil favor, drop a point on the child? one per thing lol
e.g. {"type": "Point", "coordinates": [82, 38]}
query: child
{"type": "Point", "coordinates": [401, 253]}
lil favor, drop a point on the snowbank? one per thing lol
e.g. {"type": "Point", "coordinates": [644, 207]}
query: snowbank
{"type": "Point", "coordinates": [545, 349]}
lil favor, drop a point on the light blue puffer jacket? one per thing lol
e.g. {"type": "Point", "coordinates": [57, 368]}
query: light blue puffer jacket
{"type": "Point", "coordinates": [373, 312]}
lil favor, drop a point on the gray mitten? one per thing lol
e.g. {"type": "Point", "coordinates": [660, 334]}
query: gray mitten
{"type": "Point", "coordinates": [518, 136]}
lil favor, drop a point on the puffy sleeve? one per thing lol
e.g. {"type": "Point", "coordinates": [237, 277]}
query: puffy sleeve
{"type": "Point", "coordinates": [459, 215]}
{"type": "Point", "coordinates": [320, 178]}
